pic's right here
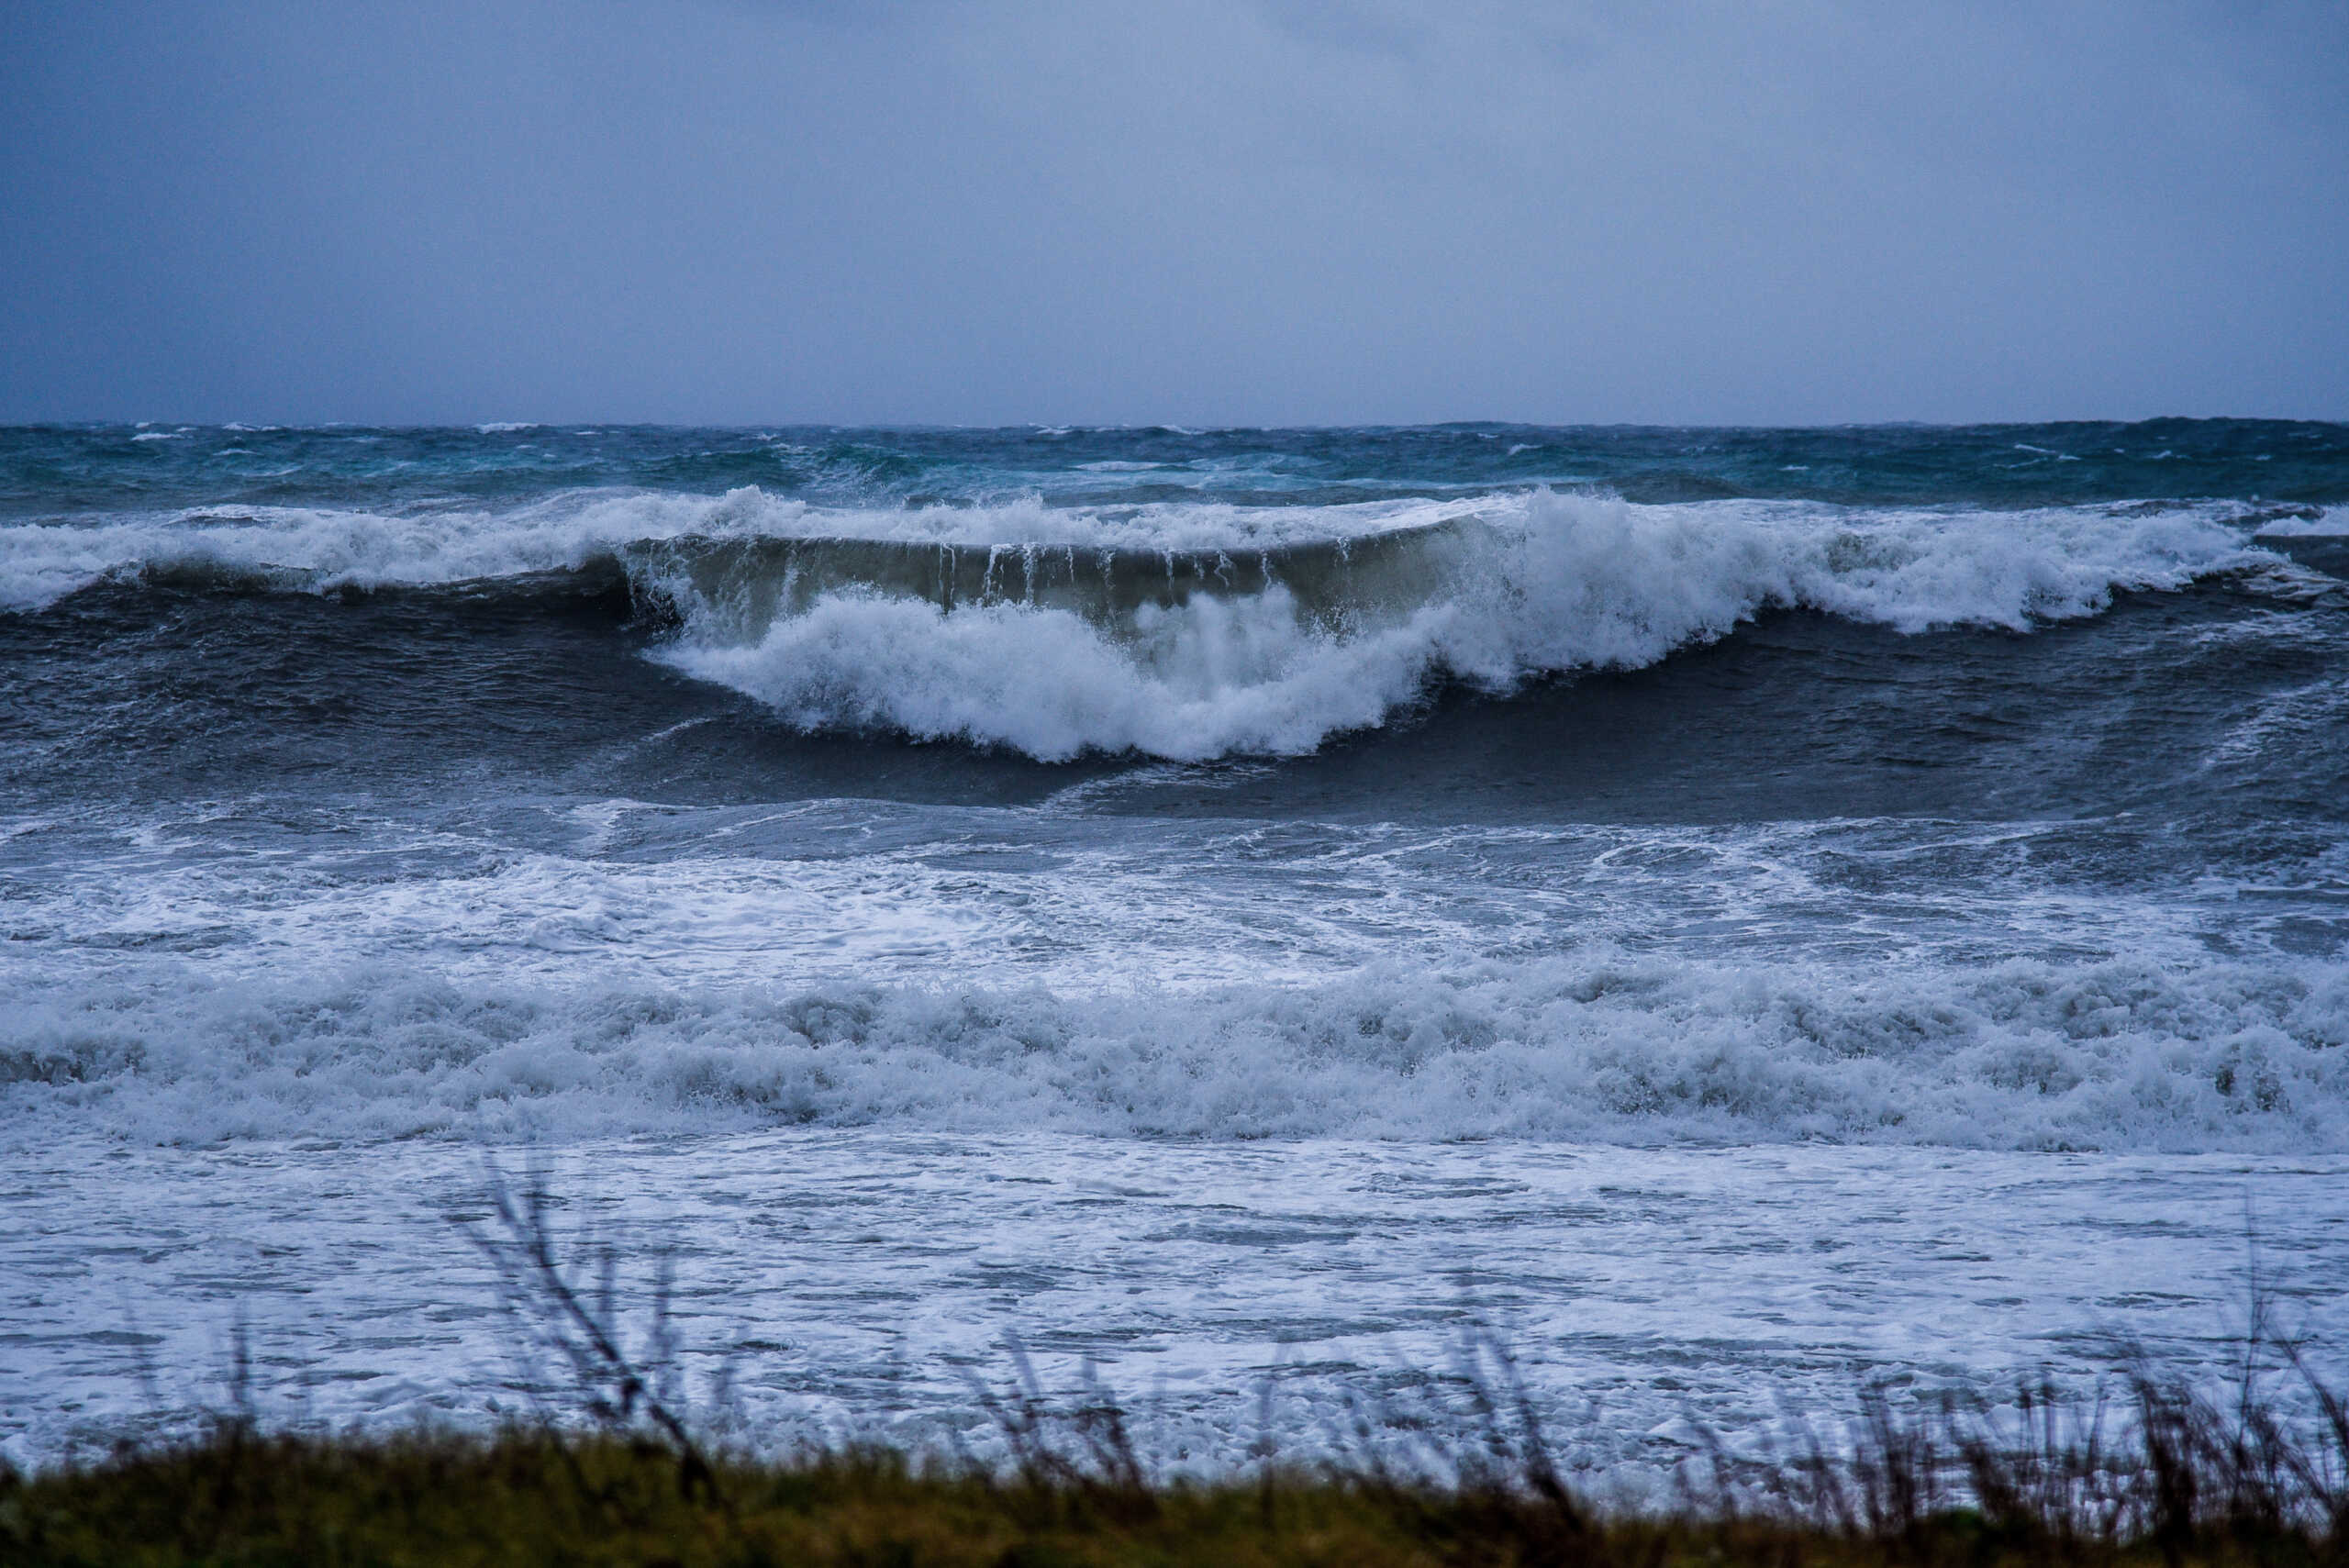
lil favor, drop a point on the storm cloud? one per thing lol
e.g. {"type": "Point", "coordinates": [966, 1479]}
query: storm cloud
{"type": "Point", "coordinates": [1229, 211]}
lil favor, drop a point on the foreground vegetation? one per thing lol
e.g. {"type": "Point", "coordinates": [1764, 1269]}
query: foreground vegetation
{"type": "Point", "coordinates": [2185, 1483]}
{"type": "Point", "coordinates": [614, 1471]}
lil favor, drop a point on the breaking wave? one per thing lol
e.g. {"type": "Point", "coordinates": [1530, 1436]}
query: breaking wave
{"type": "Point", "coordinates": [1191, 656]}
{"type": "Point", "coordinates": [1186, 631]}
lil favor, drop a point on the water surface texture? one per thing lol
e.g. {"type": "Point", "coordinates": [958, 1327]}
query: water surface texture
{"type": "Point", "coordinates": [1844, 823]}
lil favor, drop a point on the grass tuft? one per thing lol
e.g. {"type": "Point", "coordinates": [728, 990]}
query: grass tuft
{"type": "Point", "coordinates": [2164, 1477]}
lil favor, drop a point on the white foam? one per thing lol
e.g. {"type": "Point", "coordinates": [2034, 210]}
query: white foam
{"type": "Point", "coordinates": [1594, 1044]}
{"type": "Point", "coordinates": [2324, 525]}
{"type": "Point", "coordinates": [1207, 679]}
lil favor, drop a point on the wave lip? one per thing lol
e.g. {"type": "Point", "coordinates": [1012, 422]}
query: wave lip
{"type": "Point", "coordinates": [324, 550]}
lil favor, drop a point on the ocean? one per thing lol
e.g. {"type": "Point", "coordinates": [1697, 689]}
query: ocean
{"type": "Point", "coordinates": [1740, 913]}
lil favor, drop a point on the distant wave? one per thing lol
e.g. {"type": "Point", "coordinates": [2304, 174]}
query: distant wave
{"type": "Point", "coordinates": [1182, 630]}
{"type": "Point", "coordinates": [1602, 1045]}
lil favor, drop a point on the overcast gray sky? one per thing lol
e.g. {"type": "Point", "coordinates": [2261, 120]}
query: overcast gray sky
{"type": "Point", "coordinates": [1229, 211]}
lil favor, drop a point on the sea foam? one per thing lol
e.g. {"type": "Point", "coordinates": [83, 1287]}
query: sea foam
{"type": "Point", "coordinates": [1601, 1044]}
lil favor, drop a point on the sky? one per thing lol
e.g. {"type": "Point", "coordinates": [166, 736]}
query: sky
{"type": "Point", "coordinates": [1191, 211]}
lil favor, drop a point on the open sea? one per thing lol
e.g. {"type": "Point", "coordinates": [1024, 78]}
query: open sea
{"type": "Point", "coordinates": [1741, 912]}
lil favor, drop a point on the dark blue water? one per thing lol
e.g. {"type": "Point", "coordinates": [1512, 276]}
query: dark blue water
{"type": "Point", "coordinates": [51, 469]}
